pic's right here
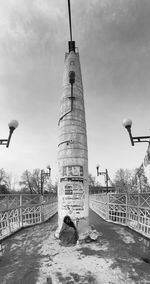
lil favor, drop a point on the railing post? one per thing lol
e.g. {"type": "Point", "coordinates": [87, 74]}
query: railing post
{"type": "Point", "coordinates": [20, 212]}
{"type": "Point", "coordinates": [7, 215]}
{"type": "Point", "coordinates": [138, 209]}
{"type": "Point", "coordinates": [8, 222]}
{"type": "Point", "coordinates": [7, 203]}
{"type": "Point", "coordinates": [42, 208]}
{"type": "Point", "coordinates": [107, 207]}
{"type": "Point", "coordinates": [127, 209]}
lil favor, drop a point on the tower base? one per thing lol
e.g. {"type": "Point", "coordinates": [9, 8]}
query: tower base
{"type": "Point", "coordinates": [82, 226]}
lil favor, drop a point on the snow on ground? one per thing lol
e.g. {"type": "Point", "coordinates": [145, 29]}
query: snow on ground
{"type": "Point", "coordinates": [126, 236]}
{"type": "Point", "coordinates": [62, 264]}
{"type": "Point", "coordinates": [34, 256]}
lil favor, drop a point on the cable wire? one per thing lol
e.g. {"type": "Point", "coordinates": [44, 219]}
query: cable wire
{"type": "Point", "coordinates": [69, 11]}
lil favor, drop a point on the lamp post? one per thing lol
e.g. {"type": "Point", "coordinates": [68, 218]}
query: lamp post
{"type": "Point", "coordinates": [43, 174]}
{"type": "Point", "coordinates": [127, 123]}
{"type": "Point", "coordinates": [105, 174]}
{"type": "Point", "coordinates": [12, 126]}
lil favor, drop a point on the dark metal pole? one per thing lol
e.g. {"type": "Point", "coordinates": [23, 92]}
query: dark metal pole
{"type": "Point", "coordinates": [11, 130]}
{"type": "Point", "coordinates": [69, 11]}
{"type": "Point", "coordinates": [107, 180]}
{"type": "Point", "coordinates": [49, 169]}
{"type": "Point", "coordinates": [41, 182]}
{"type": "Point", "coordinates": [97, 168]}
{"type": "Point", "coordinates": [130, 134]}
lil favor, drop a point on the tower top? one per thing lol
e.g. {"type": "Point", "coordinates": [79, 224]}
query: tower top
{"type": "Point", "coordinates": [71, 43]}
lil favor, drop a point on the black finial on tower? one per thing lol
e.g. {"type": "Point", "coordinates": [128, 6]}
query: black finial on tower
{"type": "Point", "coordinates": [71, 43]}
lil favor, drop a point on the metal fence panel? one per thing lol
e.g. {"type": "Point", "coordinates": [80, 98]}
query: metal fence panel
{"type": "Point", "coordinates": [24, 210]}
{"type": "Point", "coordinates": [132, 210]}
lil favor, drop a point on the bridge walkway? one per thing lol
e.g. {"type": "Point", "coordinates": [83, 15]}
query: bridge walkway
{"type": "Point", "coordinates": [33, 255]}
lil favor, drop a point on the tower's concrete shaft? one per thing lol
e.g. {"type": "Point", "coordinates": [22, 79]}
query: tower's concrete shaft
{"type": "Point", "coordinates": [73, 188]}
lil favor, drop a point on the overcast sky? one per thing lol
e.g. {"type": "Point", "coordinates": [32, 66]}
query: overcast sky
{"type": "Point", "coordinates": [113, 38]}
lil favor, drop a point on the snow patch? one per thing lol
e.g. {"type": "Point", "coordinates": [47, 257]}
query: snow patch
{"type": "Point", "coordinates": [126, 236]}
{"type": "Point", "coordinates": [60, 262]}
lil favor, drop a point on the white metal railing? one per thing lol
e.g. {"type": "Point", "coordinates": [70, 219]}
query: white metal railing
{"type": "Point", "coordinates": [132, 210]}
{"type": "Point", "coordinates": [17, 211]}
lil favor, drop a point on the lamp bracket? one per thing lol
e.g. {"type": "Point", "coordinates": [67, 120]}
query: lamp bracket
{"type": "Point", "coordinates": [141, 139]}
{"type": "Point", "coordinates": [3, 141]}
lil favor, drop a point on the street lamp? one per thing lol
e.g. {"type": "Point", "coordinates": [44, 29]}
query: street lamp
{"type": "Point", "coordinates": [43, 174]}
{"type": "Point", "coordinates": [127, 123]}
{"type": "Point", "coordinates": [12, 126]}
{"type": "Point", "coordinates": [105, 174]}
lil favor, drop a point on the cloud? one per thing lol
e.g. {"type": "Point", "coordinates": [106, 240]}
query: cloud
{"type": "Point", "coordinates": [30, 31]}
{"type": "Point", "coordinates": [119, 20]}
{"type": "Point", "coordinates": [30, 27]}
{"type": "Point", "coordinates": [114, 39]}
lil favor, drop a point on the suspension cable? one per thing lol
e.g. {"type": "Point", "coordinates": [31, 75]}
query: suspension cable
{"type": "Point", "coordinates": [69, 11]}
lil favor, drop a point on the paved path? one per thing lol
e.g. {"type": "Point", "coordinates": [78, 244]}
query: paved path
{"type": "Point", "coordinates": [34, 256]}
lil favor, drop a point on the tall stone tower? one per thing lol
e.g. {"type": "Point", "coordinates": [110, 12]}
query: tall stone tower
{"type": "Point", "coordinates": [73, 189]}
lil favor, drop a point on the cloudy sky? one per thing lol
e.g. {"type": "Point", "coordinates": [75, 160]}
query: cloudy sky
{"type": "Point", "coordinates": [113, 38]}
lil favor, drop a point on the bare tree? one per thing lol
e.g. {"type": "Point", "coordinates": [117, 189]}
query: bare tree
{"type": "Point", "coordinates": [31, 182]}
{"type": "Point", "coordinates": [140, 181]}
{"type": "Point", "coordinates": [93, 184]}
{"type": "Point", "coordinates": [12, 180]}
{"type": "Point", "coordinates": [91, 180]}
{"type": "Point", "coordinates": [4, 182]}
{"type": "Point", "coordinates": [27, 182]}
{"type": "Point", "coordinates": [36, 180]}
{"type": "Point", "coordinates": [131, 181]}
{"type": "Point", "coordinates": [123, 180]}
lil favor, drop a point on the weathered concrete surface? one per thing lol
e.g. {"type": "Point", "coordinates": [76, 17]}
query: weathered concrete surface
{"type": "Point", "coordinates": [73, 187]}
{"type": "Point", "coordinates": [34, 256]}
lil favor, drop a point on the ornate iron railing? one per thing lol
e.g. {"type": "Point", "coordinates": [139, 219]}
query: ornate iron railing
{"type": "Point", "coordinates": [17, 211]}
{"type": "Point", "coordinates": [132, 210]}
